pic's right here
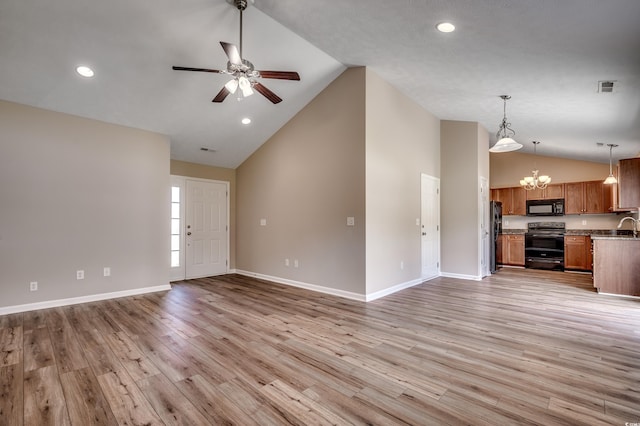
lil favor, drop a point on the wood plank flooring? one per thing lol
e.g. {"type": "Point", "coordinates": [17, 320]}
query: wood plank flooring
{"type": "Point", "coordinates": [520, 347]}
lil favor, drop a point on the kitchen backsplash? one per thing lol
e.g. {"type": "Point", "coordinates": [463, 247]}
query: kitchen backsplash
{"type": "Point", "coordinates": [585, 221]}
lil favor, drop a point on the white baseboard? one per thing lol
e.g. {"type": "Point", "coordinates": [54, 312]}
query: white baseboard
{"type": "Point", "coordinates": [394, 289]}
{"type": "Point", "coordinates": [332, 291]}
{"type": "Point", "coordinates": [82, 299]}
{"type": "Point", "coordinates": [461, 276]}
{"type": "Point", "coordinates": [307, 286]}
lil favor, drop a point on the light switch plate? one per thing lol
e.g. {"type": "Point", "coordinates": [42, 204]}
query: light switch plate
{"type": "Point", "coordinates": [263, 222]}
{"type": "Point", "coordinates": [351, 221]}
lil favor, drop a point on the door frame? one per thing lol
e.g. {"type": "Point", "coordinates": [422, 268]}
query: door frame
{"type": "Point", "coordinates": [180, 273]}
{"type": "Point", "coordinates": [436, 182]}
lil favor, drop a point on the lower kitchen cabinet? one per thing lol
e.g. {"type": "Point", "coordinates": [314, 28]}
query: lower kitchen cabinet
{"type": "Point", "coordinates": [511, 249]}
{"type": "Point", "coordinates": [577, 252]}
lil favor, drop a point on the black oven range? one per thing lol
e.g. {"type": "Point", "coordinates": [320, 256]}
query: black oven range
{"type": "Point", "coordinates": [544, 245]}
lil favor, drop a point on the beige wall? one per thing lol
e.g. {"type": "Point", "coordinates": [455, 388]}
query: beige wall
{"type": "Point", "coordinates": [305, 181]}
{"type": "Point", "coordinates": [463, 163]}
{"type": "Point", "coordinates": [509, 167]}
{"type": "Point", "coordinates": [79, 194]}
{"type": "Point", "coordinates": [402, 141]}
{"type": "Point", "coordinates": [201, 171]}
{"type": "Point", "coordinates": [308, 178]}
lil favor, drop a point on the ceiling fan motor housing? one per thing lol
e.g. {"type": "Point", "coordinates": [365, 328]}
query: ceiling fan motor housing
{"type": "Point", "coordinates": [240, 4]}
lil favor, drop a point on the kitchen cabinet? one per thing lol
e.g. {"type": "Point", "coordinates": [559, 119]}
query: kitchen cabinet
{"type": "Point", "coordinates": [551, 192]}
{"type": "Point", "coordinates": [616, 265]}
{"type": "Point", "coordinates": [514, 200]}
{"type": "Point", "coordinates": [511, 251]}
{"type": "Point", "coordinates": [629, 183]}
{"type": "Point", "coordinates": [587, 197]}
{"type": "Point", "coordinates": [577, 252]}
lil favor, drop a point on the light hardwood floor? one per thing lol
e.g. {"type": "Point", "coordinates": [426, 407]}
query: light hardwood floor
{"type": "Point", "coordinates": [520, 347]}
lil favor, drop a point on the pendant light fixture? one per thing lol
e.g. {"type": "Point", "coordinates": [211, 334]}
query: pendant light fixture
{"type": "Point", "coordinates": [505, 142]}
{"type": "Point", "coordinates": [535, 182]}
{"type": "Point", "coordinates": [611, 179]}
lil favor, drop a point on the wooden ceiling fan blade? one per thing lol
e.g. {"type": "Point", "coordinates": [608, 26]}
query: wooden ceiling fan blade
{"type": "Point", "coordinates": [196, 69]}
{"type": "Point", "coordinates": [281, 75]}
{"type": "Point", "coordinates": [232, 52]}
{"type": "Point", "coordinates": [267, 93]}
{"type": "Point", "coordinates": [222, 94]}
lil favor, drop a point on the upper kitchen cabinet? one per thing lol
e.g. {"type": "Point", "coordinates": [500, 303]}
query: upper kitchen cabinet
{"type": "Point", "coordinates": [514, 200]}
{"type": "Point", "coordinates": [587, 198]}
{"type": "Point", "coordinates": [629, 183]}
{"type": "Point", "coordinates": [551, 192]}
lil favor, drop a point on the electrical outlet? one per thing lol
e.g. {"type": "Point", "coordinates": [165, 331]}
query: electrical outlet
{"type": "Point", "coordinates": [106, 271]}
{"type": "Point", "coordinates": [286, 262]}
{"type": "Point", "coordinates": [33, 286]}
{"type": "Point", "coordinates": [80, 274]}
{"type": "Point", "coordinates": [584, 222]}
{"type": "Point", "coordinates": [295, 263]}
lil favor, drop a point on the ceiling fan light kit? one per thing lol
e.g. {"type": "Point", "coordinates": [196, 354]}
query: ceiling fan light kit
{"type": "Point", "coordinates": [505, 142]}
{"type": "Point", "coordinates": [244, 75]}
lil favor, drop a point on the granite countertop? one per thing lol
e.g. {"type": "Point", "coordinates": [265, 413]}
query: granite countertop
{"type": "Point", "coordinates": [513, 231]}
{"type": "Point", "coordinates": [599, 234]}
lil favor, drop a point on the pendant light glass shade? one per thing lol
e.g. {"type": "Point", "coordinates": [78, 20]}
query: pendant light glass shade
{"type": "Point", "coordinates": [611, 179]}
{"type": "Point", "coordinates": [505, 142]}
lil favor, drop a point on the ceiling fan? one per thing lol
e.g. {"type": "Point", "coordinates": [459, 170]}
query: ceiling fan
{"type": "Point", "coordinates": [245, 76]}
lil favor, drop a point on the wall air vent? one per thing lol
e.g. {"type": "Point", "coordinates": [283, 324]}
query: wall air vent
{"type": "Point", "coordinates": [606, 86]}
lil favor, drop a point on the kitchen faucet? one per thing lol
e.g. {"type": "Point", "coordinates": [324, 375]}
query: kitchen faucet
{"type": "Point", "coordinates": [635, 225]}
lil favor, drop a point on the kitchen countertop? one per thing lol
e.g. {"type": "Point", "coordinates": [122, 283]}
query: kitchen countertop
{"type": "Point", "coordinates": [599, 234]}
{"type": "Point", "coordinates": [514, 231]}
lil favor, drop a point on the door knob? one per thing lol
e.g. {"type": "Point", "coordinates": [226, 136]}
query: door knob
{"type": "Point", "coordinates": [188, 233]}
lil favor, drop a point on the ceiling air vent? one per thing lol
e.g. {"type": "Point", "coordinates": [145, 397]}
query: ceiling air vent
{"type": "Point", "coordinates": [606, 86]}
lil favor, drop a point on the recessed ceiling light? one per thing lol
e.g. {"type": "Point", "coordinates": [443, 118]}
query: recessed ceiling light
{"type": "Point", "coordinates": [84, 71]}
{"type": "Point", "coordinates": [246, 120]}
{"type": "Point", "coordinates": [446, 27]}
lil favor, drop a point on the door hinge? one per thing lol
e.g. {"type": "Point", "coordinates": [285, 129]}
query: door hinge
{"type": "Point", "coordinates": [437, 264]}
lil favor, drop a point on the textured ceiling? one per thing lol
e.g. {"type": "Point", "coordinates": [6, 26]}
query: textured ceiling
{"type": "Point", "coordinates": [548, 55]}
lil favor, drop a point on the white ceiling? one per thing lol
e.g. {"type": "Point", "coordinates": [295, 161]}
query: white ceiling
{"type": "Point", "coordinates": [547, 54]}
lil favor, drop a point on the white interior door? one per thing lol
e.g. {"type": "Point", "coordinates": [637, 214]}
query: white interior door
{"type": "Point", "coordinates": [206, 229]}
{"type": "Point", "coordinates": [430, 226]}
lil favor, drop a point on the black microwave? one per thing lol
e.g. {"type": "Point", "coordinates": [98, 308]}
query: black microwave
{"type": "Point", "coordinates": [545, 207]}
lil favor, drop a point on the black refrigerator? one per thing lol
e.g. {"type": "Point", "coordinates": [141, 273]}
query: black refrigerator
{"type": "Point", "coordinates": [495, 228]}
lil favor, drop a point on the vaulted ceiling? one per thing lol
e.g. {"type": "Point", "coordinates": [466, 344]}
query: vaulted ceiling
{"type": "Point", "coordinates": [548, 55]}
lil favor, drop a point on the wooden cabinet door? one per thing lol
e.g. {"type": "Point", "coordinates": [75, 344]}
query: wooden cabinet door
{"type": "Point", "coordinates": [504, 196]}
{"type": "Point", "coordinates": [594, 197]}
{"type": "Point", "coordinates": [515, 250]}
{"type": "Point", "coordinates": [577, 252]}
{"type": "Point", "coordinates": [499, 248]}
{"type": "Point", "coordinates": [518, 201]}
{"type": "Point", "coordinates": [573, 198]}
{"type": "Point", "coordinates": [629, 183]}
{"type": "Point", "coordinates": [554, 191]}
{"type": "Point", "coordinates": [535, 194]}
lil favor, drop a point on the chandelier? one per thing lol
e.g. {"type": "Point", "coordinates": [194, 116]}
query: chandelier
{"type": "Point", "coordinates": [535, 182]}
{"type": "Point", "coordinates": [505, 142]}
